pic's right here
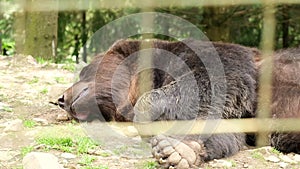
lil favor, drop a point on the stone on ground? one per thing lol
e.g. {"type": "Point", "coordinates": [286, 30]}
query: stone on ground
{"type": "Point", "coordinates": [39, 160]}
{"type": "Point", "coordinates": [15, 125]}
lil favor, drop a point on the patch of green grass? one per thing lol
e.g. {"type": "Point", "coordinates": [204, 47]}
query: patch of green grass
{"type": "Point", "coordinates": [59, 143]}
{"type": "Point", "coordinates": [273, 150]}
{"type": "Point", "coordinates": [19, 167]}
{"type": "Point", "coordinates": [70, 67]}
{"type": "Point", "coordinates": [44, 91]}
{"type": "Point", "coordinates": [4, 97]}
{"type": "Point", "coordinates": [87, 160]}
{"type": "Point", "coordinates": [79, 145]}
{"type": "Point", "coordinates": [104, 154]}
{"type": "Point", "coordinates": [233, 163]}
{"type": "Point", "coordinates": [26, 150]}
{"type": "Point", "coordinates": [34, 80]}
{"type": "Point", "coordinates": [41, 60]}
{"type": "Point", "coordinates": [84, 144]}
{"type": "Point", "coordinates": [29, 123]}
{"type": "Point", "coordinates": [257, 155]}
{"type": "Point", "coordinates": [95, 167]}
{"type": "Point", "coordinates": [150, 165]}
{"type": "Point", "coordinates": [7, 109]}
{"type": "Point", "coordinates": [60, 80]}
{"type": "Point", "coordinates": [73, 122]}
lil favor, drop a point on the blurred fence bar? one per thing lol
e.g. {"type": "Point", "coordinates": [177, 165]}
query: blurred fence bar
{"type": "Point", "coordinates": [264, 125]}
{"type": "Point", "coordinates": [265, 78]}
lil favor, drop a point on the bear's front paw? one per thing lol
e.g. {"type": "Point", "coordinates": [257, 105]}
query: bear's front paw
{"type": "Point", "coordinates": [175, 153]}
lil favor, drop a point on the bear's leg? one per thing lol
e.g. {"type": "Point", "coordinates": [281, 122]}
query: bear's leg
{"type": "Point", "coordinates": [190, 151]}
{"type": "Point", "coordinates": [286, 142]}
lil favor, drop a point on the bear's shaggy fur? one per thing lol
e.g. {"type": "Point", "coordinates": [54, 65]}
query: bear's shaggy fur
{"type": "Point", "coordinates": [286, 97]}
{"type": "Point", "coordinates": [109, 89]}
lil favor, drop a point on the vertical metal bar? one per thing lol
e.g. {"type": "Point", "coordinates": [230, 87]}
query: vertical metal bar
{"type": "Point", "coordinates": [145, 77]}
{"type": "Point", "coordinates": [265, 79]}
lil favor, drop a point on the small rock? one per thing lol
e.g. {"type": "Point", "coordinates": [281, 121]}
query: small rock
{"type": "Point", "coordinates": [273, 159]}
{"type": "Point", "coordinates": [296, 157]}
{"type": "Point", "coordinates": [41, 121]}
{"type": "Point", "coordinates": [62, 117]}
{"type": "Point", "coordinates": [132, 131]}
{"type": "Point", "coordinates": [15, 125]}
{"type": "Point", "coordinates": [287, 159]}
{"type": "Point", "coordinates": [221, 164]}
{"type": "Point", "coordinates": [283, 165]}
{"type": "Point", "coordinates": [30, 134]}
{"type": "Point", "coordinates": [7, 155]}
{"type": "Point", "coordinates": [39, 160]}
{"type": "Point", "coordinates": [72, 166]}
{"type": "Point", "coordinates": [31, 60]}
{"type": "Point", "coordinates": [245, 165]}
{"type": "Point", "coordinates": [68, 155]}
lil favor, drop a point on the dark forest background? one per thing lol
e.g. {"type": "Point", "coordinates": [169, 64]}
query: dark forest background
{"type": "Point", "coordinates": [60, 35]}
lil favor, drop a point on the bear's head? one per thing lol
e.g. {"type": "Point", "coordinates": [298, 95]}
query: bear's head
{"type": "Point", "coordinates": [107, 88]}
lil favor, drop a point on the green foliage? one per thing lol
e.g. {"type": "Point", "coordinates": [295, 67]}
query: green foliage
{"type": "Point", "coordinates": [7, 109]}
{"type": "Point", "coordinates": [41, 60]}
{"type": "Point", "coordinates": [87, 160]}
{"type": "Point", "coordinates": [257, 155]}
{"type": "Point", "coordinates": [70, 67]}
{"type": "Point", "coordinates": [275, 151]}
{"type": "Point", "coordinates": [26, 150]}
{"type": "Point", "coordinates": [44, 91]}
{"type": "Point", "coordinates": [8, 45]}
{"type": "Point", "coordinates": [29, 123]}
{"type": "Point", "coordinates": [233, 163]}
{"type": "Point", "coordinates": [34, 80]}
{"type": "Point", "coordinates": [6, 32]}
{"type": "Point", "coordinates": [84, 144]}
{"type": "Point", "coordinates": [79, 145]}
{"type": "Point", "coordinates": [95, 167]}
{"type": "Point", "coordinates": [59, 143]}
{"type": "Point", "coordinates": [60, 80]}
{"type": "Point", "coordinates": [150, 165]}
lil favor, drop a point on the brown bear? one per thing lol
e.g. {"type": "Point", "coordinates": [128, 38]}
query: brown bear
{"type": "Point", "coordinates": [286, 97]}
{"type": "Point", "coordinates": [188, 80]}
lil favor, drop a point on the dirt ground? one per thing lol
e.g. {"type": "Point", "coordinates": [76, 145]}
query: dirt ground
{"type": "Point", "coordinates": [26, 88]}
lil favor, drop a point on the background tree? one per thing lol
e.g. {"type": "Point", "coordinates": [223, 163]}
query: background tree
{"type": "Point", "coordinates": [40, 33]}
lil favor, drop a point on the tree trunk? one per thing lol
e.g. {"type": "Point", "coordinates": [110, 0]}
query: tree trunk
{"type": "Point", "coordinates": [285, 26]}
{"type": "Point", "coordinates": [217, 28]}
{"type": "Point", "coordinates": [41, 33]}
{"type": "Point", "coordinates": [19, 35]}
{"type": "Point", "coordinates": [84, 36]}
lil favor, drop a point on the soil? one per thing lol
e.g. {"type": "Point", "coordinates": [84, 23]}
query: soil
{"type": "Point", "coordinates": [27, 87]}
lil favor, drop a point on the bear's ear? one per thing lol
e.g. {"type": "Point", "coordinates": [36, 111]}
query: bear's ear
{"type": "Point", "coordinates": [124, 47]}
{"type": "Point", "coordinates": [117, 44]}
